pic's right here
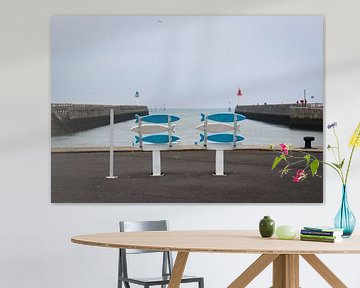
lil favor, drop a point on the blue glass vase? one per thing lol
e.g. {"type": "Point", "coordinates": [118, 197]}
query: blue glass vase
{"type": "Point", "coordinates": [345, 219]}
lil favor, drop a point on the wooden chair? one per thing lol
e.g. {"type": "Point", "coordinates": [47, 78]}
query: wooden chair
{"type": "Point", "coordinates": [167, 262]}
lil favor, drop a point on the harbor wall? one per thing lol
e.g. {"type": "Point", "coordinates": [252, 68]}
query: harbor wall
{"type": "Point", "coordinates": [70, 118]}
{"type": "Point", "coordinates": [307, 117]}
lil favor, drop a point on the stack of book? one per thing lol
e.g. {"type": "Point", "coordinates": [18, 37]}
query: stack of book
{"type": "Point", "coordinates": [321, 234]}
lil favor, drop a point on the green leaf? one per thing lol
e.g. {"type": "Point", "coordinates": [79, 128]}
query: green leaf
{"type": "Point", "coordinates": [276, 162]}
{"type": "Point", "coordinates": [336, 165]}
{"type": "Point", "coordinates": [342, 164]}
{"type": "Point", "coordinates": [339, 166]}
{"type": "Point", "coordinates": [314, 166]}
{"type": "Point", "coordinates": [307, 157]}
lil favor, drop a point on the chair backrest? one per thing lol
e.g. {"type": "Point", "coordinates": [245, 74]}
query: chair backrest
{"type": "Point", "coordinates": [134, 226]}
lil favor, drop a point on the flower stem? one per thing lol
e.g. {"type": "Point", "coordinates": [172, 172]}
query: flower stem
{"type": "Point", "coordinates": [336, 169]}
{"type": "Point", "coordinates": [338, 146]}
{"type": "Point", "coordinates": [333, 152]}
{"type": "Point", "coordinates": [340, 159]}
{"type": "Point", "coordinates": [296, 162]}
{"type": "Point", "coordinates": [348, 167]}
{"type": "Point", "coordinates": [351, 155]}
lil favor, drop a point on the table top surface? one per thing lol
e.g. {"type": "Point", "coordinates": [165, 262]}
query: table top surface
{"type": "Point", "coordinates": [217, 241]}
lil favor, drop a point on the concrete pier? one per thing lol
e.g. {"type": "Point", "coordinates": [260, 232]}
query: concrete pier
{"type": "Point", "coordinates": [70, 118]}
{"type": "Point", "coordinates": [307, 117]}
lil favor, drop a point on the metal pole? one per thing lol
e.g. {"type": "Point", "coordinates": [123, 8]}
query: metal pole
{"type": "Point", "coordinates": [156, 161]}
{"type": "Point", "coordinates": [235, 131]}
{"type": "Point", "coordinates": [140, 132]}
{"type": "Point", "coordinates": [205, 130]}
{"type": "Point", "coordinates": [111, 162]}
{"type": "Point", "coordinates": [169, 131]}
{"type": "Point", "coordinates": [219, 163]}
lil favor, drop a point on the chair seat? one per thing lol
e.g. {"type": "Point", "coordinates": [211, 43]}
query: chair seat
{"type": "Point", "coordinates": [158, 280]}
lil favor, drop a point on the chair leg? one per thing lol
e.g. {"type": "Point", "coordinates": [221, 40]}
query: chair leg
{"type": "Point", "coordinates": [119, 270]}
{"type": "Point", "coordinates": [126, 284]}
{"type": "Point", "coordinates": [201, 283]}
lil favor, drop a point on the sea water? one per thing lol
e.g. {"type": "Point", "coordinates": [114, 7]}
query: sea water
{"type": "Point", "coordinates": [255, 132]}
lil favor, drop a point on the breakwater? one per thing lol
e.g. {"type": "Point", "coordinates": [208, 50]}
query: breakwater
{"type": "Point", "coordinates": [70, 118]}
{"type": "Point", "coordinates": [307, 117]}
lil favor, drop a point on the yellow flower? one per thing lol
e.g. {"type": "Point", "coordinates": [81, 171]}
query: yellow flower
{"type": "Point", "coordinates": [355, 138]}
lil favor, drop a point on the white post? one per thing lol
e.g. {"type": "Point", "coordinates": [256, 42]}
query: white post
{"type": "Point", "coordinates": [111, 162]}
{"type": "Point", "coordinates": [140, 132]}
{"type": "Point", "coordinates": [205, 130]}
{"type": "Point", "coordinates": [169, 131]}
{"type": "Point", "coordinates": [156, 163]}
{"type": "Point", "coordinates": [219, 163]}
{"type": "Point", "coordinates": [235, 131]}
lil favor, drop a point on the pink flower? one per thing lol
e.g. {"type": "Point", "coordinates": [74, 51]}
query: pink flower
{"type": "Point", "coordinates": [284, 149]}
{"type": "Point", "coordinates": [299, 176]}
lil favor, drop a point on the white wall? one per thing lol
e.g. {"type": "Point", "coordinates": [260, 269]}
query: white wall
{"type": "Point", "coordinates": [35, 248]}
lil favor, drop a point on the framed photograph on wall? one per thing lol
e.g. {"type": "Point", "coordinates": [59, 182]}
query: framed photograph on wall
{"type": "Point", "coordinates": [187, 109]}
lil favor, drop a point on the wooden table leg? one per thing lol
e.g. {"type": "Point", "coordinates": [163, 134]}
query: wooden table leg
{"type": "Point", "coordinates": [293, 264]}
{"type": "Point", "coordinates": [178, 269]}
{"type": "Point", "coordinates": [324, 271]}
{"type": "Point", "coordinates": [253, 270]}
{"type": "Point", "coordinates": [286, 271]}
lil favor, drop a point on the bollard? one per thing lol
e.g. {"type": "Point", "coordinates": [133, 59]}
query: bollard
{"type": "Point", "coordinates": [111, 160]}
{"type": "Point", "coordinates": [308, 140]}
{"type": "Point", "coordinates": [156, 163]}
{"type": "Point", "coordinates": [219, 163]}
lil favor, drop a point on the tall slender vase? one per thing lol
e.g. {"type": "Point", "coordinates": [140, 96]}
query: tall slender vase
{"type": "Point", "coordinates": [345, 219]}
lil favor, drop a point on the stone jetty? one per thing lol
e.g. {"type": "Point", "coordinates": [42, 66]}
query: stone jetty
{"type": "Point", "coordinates": [69, 118]}
{"type": "Point", "coordinates": [307, 117]}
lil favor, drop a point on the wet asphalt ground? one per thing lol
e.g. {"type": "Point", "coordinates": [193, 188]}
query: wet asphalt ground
{"type": "Point", "coordinates": [80, 178]}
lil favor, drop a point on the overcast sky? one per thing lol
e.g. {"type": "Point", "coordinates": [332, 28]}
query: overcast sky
{"type": "Point", "coordinates": [186, 61]}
